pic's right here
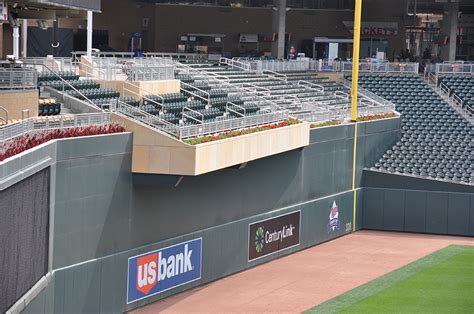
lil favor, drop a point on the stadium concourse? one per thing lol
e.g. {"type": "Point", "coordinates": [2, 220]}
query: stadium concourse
{"type": "Point", "coordinates": [236, 156]}
{"type": "Point", "coordinates": [303, 280]}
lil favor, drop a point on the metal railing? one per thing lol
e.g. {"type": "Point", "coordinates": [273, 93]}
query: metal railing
{"type": "Point", "coordinates": [324, 65]}
{"type": "Point", "coordinates": [66, 83]}
{"type": "Point", "coordinates": [454, 68]}
{"type": "Point", "coordinates": [57, 64]}
{"type": "Point", "coordinates": [148, 73]}
{"type": "Point", "coordinates": [313, 86]}
{"type": "Point", "coordinates": [241, 65]}
{"type": "Point", "coordinates": [147, 118]}
{"type": "Point", "coordinates": [382, 67]}
{"type": "Point", "coordinates": [225, 84]}
{"type": "Point", "coordinates": [114, 54]}
{"type": "Point", "coordinates": [21, 78]}
{"type": "Point", "coordinates": [54, 122]}
{"type": "Point", "coordinates": [276, 75]}
{"type": "Point", "coordinates": [232, 124]}
{"type": "Point", "coordinates": [193, 90]}
{"type": "Point", "coordinates": [5, 112]}
{"type": "Point", "coordinates": [282, 65]}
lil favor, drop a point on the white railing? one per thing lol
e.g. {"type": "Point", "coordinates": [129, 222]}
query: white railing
{"type": "Point", "coordinates": [22, 78]}
{"type": "Point", "coordinates": [123, 54]}
{"type": "Point", "coordinates": [445, 89]}
{"type": "Point", "coordinates": [57, 64]}
{"type": "Point", "coordinates": [313, 86]}
{"type": "Point", "coordinates": [241, 65]}
{"type": "Point", "coordinates": [192, 90]}
{"type": "Point", "coordinates": [148, 73]}
{"type": "Point", "coordinates": [224, 83]}
{"type": "Point", "coordinates": [149, 119]}
{"type": "Point", "coordinates": [324, 66]}
{"type": "Point", "coordinates": [200, 129]}
{"type": "Point", "coordinates": [382, 67]}
{"type": "Point", "coordinates": [65, 83]}
{"type": "Point", "coordinates": [282, 65]}
{"type": "Point", "coordinates": [177, 56]}
{"type": "Point", "coordinates": [54, 122]}
{"type": "Point", "coordinates": [232, 124]}
{"type": "Point", "coordinates": [275, 75]}
{"type": "Point", "coordinates": [454, 68]}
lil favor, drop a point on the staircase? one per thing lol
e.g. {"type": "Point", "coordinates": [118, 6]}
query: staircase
{"type": "Point", "coordinates": [453, 104]}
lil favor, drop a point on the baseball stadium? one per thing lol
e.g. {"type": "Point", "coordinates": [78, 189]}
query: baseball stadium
{"type": "Point", "coordinates": [237, 156]}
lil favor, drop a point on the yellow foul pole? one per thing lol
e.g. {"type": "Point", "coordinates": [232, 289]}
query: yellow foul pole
{"type": "Point", "coordinates": [354, 94]}
{"type": "Point", "coordinates": [355, 58]}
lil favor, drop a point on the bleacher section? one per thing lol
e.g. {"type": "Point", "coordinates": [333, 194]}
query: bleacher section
{"type": "Point", "coordinates": [307, 95]}
{"type": "Point", "coordinates": [436, 141]}
{"type": "Point", "coordinates": [461, 89]}
{"type": "Point", "coordinates": [219, 93]}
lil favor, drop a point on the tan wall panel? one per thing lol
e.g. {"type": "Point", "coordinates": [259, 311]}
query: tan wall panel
{"type": "Point", "coordinates": [158, 153]}
{"type": "Point", "coordinates": [16, 101]}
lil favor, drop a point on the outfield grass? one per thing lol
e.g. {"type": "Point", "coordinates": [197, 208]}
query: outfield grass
{"type": "Point", "coordinates": [442, 282]}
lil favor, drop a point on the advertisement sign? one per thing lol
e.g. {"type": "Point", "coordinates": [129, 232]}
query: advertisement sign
{"type": "Point", "coordinates": [375, 29]}
{"type": "Point", "coordinates": [274, 235]}
{"type": "Point", "coordinates": [3, 11]}
{"type": "Point", "coordinates": [248, 38]}
{"type": "Point", "coordinates": [163, 269]}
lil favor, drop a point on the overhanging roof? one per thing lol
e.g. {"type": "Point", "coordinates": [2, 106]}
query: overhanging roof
{"type": "Point", "coordinates": [88, 5]}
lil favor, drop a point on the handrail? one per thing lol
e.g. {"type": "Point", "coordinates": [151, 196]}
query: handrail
{"type": "Point", "coordinates": [196, 95]}
{"type": "Point", "coordinates": [13, 130]}
{"type": "Point", "coordinates": [235, 111]}
{"type": "Point", "coordinates": [6, 114]}
{"type": "Point", "coordinates": [184, 114]}
{"type": "Point", "coordinates": [445, 89]}
{"type": "Point", "coordinates": [226, 84]}
{"type": "Point", "coordinates": [303, 83]}
{"type": "Point", "coordinates": [236, 64]}
{"type": "Point", "coordinates": [145, 97]}
{"type": "Point", "coordinates": [92, 75]}
{"type": "Point", "coordinates": [147, 118]}
{"type": "Point", "coordinates": [276, 75]}
{"type": "Point", "coordinates": [68, 84]}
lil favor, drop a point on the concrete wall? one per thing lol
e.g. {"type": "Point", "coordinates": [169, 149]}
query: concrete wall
{"type": "Point", "coordinates": [102, 214]}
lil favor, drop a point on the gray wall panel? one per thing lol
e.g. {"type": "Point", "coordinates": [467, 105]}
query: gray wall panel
{"type": "Point", "coordinates": [373, 203]}
{"type": "Point", "coordinates": [437, 213]}
{"type": "Point", "coordinates": [458, 211]}
{"type": "Point", "coordinates": [418, 211]}
{"type": "Point", "coordinates": [394, 210]}
{"type": "Point", "coordinates": [415, 211]}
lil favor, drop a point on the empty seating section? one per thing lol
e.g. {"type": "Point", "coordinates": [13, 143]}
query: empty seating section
{"type": "Point", "coordinates": [436, 141]}
{"type": "Point", "coordinates": [48, 107]}
{"type": "Point", "coordinates": [83, 88]}
{"type": "Point", "coordinates": [463, 88]}
{"type": "Point", "coordinates": [300, 92]}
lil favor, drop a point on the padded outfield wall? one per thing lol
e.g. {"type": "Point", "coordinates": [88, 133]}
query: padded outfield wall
{"type": "Point", "coordinates": [102, 215]}
{"type": "Point", "coordinates": [396, 202]}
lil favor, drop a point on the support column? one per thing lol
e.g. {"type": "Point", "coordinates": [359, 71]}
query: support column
{"type": "Point", "coordinates": [24, 38]}
{"type": "Point", "coordinates": [279, 27]}
{"type": "Point", "coordinates": [1, 41]}
{"type": "Point", "coordinates": [16, 42]}
{"type": "Point", "coordinates": [450, 29]}
{"type": "Point", "coordinates": [89, 35]}
{"type": "Point", "coordinates": [55, 44]}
